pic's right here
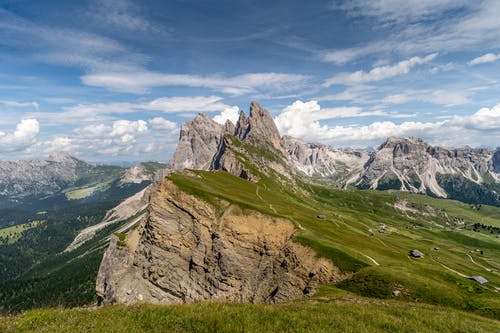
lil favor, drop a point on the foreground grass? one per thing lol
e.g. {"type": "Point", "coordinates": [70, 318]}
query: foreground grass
{"type": "Point", "coordinates": [308, 316]}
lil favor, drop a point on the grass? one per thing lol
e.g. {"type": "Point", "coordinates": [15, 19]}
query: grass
{"type": "Point", "coordinates": [85, 192]}
{"type": "Point", "coordinates": [14, 233]}
{"type": "Point", "coordinates": [331, 310]}
{"type": "Point", "coordinates": [350, 234]}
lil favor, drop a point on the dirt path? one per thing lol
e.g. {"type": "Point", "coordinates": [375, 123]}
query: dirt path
{"type": "Point", "coordinates": [372, 260]}
{"type": "Point", "coordinates": [262, 199]}
{"type": "Point", "coordinates": [451, 270]}
{"type": "Point", "coordinates": [478, 264]}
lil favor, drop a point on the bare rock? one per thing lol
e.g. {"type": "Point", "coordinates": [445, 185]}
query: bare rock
{"type": "Point", "coordinates": [186, 252]}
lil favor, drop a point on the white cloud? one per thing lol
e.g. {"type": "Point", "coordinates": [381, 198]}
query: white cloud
{"type": "Point", "coordinates": [301, 120]}
{"type": "Point", "coordinates": [159, 123]}
{"type": "Point", "coordinates": [232, 114]}
{"type": "Point", "coordinates": [378, 73]}
{"type": "Point", "coordinates": [25, 133]}
{"type": "Point", "coordinates": [439, 97]}
{"type": "Point", "coordinates": [101, 111]}
{"type": "Point", "coordinates": [142, 81]}
{"type": "Point", "coordinates": [127, 127]}
{"type": "Point", "coordinates": [117, 140]}
{"type": "Point", "coordinates": [488, 57]}
{"type": "Point", "coordinates": [484, 119]}
{"type": "Point", "coordinates": [16, 104]}
{"type": "Point", "coordinates": [181, 104]}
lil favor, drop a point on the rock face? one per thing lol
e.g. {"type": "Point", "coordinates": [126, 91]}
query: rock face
{"type": "Point", "coordinates": [495, 160]}
{"type": "Point", "coordinates": [317, 160]}
{"type": "Point", "coordinates": [198, 142]}
{"type": "Point", "coordinates": [33, 177]}
{"type": "Point", "coordinates": [254, 149]}
{"type": "Point", "coordinates": [410, 164]}
{"type": "Point", "coordinates": [184, 252]}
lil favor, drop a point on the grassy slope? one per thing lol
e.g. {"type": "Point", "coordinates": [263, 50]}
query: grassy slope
{"type": "Point", "coordinates": [14, 233]}
{"type": "Point", "coordinates": [331, 310]}
{"type": "Point", "coordinates": [350, 234]}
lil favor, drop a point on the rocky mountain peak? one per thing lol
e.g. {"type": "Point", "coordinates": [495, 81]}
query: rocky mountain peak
{"type": "Point", "coordinates": [259, 126]}
{"type": "Point", "coordinates": [229, 127]}
{"type": "Point", "coordinates": [63, 157]}
{"type": "Point", "coordinates": [394, 141]}
{"type": "Point", "coordinates": [198, 142]}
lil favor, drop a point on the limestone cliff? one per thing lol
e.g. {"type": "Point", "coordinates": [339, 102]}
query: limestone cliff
{"type": "Point", "coordinates": [198, 142]}
{"type": "Point", "coordinates": [187, 250]}
{"type": "Point", "coordinates": [254, 149]}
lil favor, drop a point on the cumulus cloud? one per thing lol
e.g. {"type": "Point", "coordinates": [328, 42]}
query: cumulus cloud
{"type": "Point", "coordinates": [232, 114]}
{"type": "Point", "coordinates": [162, 124]}
{"type": "Point", "coordinates": [484, 119]}
{"type": "Point", "coordinates": [302, 120]}
{"type": "Point", "coordinates": [141, 81]}
{"type": "Point", "coordinates": [378, 73]}
{"type": "Point", "coordinates": [117, 140]}
{"type": "Point", "coordinates": [25, 133]}
{"type": "Point", "coordinates": [488, 57]}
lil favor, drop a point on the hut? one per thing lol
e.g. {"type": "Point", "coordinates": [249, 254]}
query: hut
{"type": "Point", "coordinates": [416, 254]}
{"type": "Point", "coordinates": [479, 279]}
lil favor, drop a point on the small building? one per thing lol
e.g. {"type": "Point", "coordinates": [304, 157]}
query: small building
{"type": "Point", "coordinates": [479, 279]}
{"type": "Point", "coordinates": [416, 254]}
{"type": "Point", "coordinates": [321, 217]}
{"type": "Point", "coordinates": [382, 225]}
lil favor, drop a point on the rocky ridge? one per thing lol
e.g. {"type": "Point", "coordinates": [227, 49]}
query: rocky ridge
{"type": "Point", "coordinates": [410, 164]}
{"type": "Point", "coordinates": [184, 251]}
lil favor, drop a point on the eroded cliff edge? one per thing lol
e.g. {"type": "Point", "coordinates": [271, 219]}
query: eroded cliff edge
{"type": "Point", "coordinates": [187, 250]}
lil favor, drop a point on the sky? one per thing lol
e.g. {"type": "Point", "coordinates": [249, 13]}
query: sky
{"type": "Point", "coordinates": [113, 80]}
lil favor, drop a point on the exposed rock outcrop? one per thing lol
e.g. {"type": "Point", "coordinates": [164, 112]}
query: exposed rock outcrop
{"type": "Point", "coordinates": [254, 149]}
{"type": "Point", "coordinates": [34, 177]}
{"type": "Point", "coordinates": [317, 160]}
{"type": "Point", "coordinates": [184, 251]}
{"type": "Point", "coordinates": [198, 142]}
{"type": "Point", "coordinates": [410, 164]}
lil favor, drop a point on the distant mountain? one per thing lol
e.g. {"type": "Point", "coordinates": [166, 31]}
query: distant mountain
{"type": "Point", "coordinates": [63, 171]}
{"type": "Point", "coordinates": [410, 164]}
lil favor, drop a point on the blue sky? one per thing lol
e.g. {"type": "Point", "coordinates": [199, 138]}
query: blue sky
{"type": "Point", "coordinates": [113, 80]}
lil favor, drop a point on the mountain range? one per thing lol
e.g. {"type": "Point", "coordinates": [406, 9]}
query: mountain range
{"type": "Point", "coordinates": [253, 220]}
{"type": "Point", "coordinates": [400, 163]}
{"type": "Point", "coordinates": [242, 214]}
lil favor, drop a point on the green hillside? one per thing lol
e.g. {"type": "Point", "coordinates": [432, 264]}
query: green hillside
{"type": "Point", "coordinates": [370, 234]}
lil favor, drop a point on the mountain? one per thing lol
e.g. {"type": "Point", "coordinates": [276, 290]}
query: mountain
{"type": "Point", "coordinates": [257, 228]}
{"type": "Point", "coordinates": [323, 162]}
{"type": "Point", "coordinates": [198, 142]}
{"type": "Point", "coordinates": [34, 177]}
{"type": "Point", "coordinates": [410, 164]}
{"type": "Point", "coordinates": [255, 220]}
